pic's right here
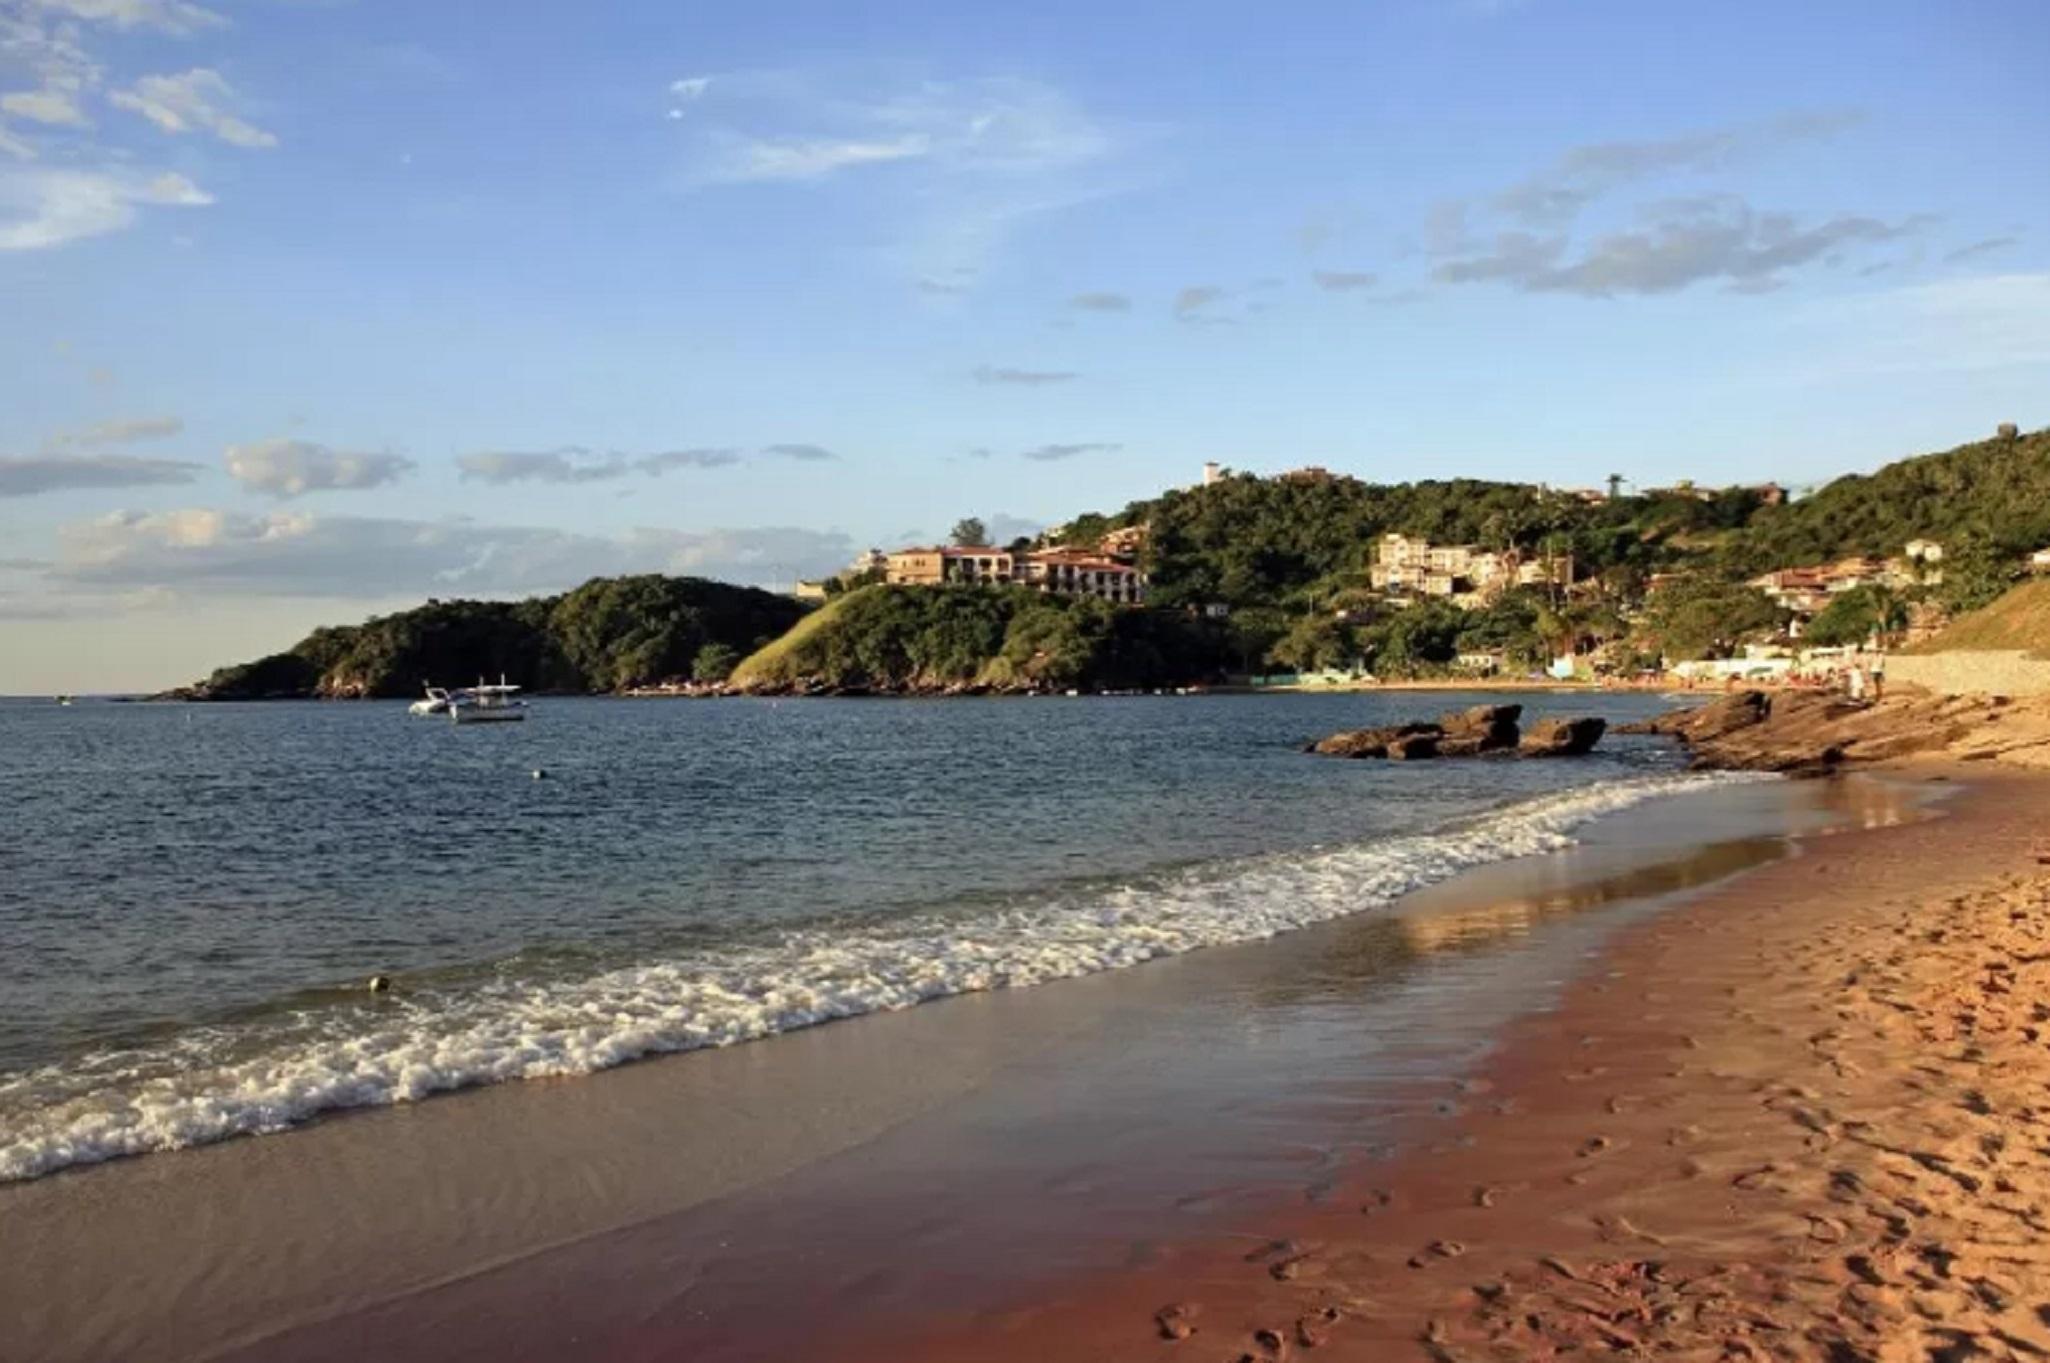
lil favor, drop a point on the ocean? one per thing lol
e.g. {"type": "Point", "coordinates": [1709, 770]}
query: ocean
{"type": "Point", "coordinates": [193, 896]}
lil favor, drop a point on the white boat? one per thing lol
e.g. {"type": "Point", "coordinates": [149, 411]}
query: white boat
{"type": "Point", "coordinates": [485, 704]}
{"type": "Point", "coordinates": [435, 702]}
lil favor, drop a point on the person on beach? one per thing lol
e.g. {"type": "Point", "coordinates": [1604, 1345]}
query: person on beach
{"type": "Point", "coordinates": [1854, 683]}
{"type": "Point", "coordinates": [1878, 677]}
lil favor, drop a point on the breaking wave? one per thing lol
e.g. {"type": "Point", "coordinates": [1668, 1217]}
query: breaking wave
{"type": "Point", "coordinates": [212, 1083]}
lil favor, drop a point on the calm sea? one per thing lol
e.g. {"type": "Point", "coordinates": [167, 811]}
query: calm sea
{"type": "Point", "coordinates": [191, 897]}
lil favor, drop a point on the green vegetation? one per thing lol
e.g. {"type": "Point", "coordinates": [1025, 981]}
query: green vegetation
{"type": "Point", "coordinates": [1989, 500]}
{"type": "Point", "coordinates": [1857, 615]}
{"type": "Point", "coordinates": [1286, 558]}
{"type": "Point", "coordinates": [1001, 638]}
{"type": "Point", "coordinates": [2020, 619]}
{"type": "Point", "coordinates": [606, 635]}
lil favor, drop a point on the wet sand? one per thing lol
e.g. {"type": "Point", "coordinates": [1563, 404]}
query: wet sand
{"type": "Point", "coordinates": [1024, 1174]}
{"type": "Point", "coordinates": [1802, 1117]}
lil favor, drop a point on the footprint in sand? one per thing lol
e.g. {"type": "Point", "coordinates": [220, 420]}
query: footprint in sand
{"type": "Point", "coordinates": [1594, 1145]}
{"type": "Point", "coordinates": [1485, 1197]}
{"type": "Point", "coordinates": [1176, 1321]}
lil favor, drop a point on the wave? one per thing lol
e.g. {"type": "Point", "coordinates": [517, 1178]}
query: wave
{"type": "Point", "coordinates": [190, 1092]}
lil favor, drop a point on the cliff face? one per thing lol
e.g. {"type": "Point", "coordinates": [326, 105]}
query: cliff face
{"type": "Point", "coordinates": [1798, 731]}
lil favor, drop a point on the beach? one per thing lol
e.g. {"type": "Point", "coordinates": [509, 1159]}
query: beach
{"type": "Point", "coordinates": [1798, 1117]}
{"type": "Point", "coordinates": [1561, 1056]}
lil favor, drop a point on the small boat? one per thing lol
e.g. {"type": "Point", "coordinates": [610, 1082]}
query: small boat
{"type": "Point", "coordinates": [484, 704]}
{"type": "Point", "coordinates": [64, 700]}
{"type": "Point", "coordinates": [435, 702]}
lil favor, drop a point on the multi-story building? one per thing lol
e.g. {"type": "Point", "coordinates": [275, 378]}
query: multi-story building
{"type": "Point", "coordinates": [1062, 571]}
{"type": "Point", "coordinates": [1471, 575]}
{"type": "Point", "coordinates": [1124, 543]}
{"type": "Point", "coordinates": [949, 564]}
{"type": "Point", "coordinates": [1082, 572]}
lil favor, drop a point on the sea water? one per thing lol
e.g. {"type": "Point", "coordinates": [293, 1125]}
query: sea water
{"type": "Point", "coordinates": [192, 897]}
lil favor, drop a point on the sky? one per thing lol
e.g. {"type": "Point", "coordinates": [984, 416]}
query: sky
{"type": "Point", "coordinates": [311, 309]}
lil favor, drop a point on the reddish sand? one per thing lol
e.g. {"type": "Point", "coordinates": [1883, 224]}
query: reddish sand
{"type": "Point", "coordinates": [1803, 1116]}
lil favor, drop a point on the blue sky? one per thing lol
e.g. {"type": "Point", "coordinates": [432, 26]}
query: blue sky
{"type": "Point", "coordinates": [315, 308]}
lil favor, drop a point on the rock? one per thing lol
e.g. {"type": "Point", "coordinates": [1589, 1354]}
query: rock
{"type": "Point", "coordinates": [1411, 747]}
{"type": "Point", "coordinates": [1369, 742]}
{"type": "Point", "coordinates": [1484, 728]}
{"type": "Point", "coordinates": [1698, 723]}
{"type": "Point", "coordinates": [1563, 737]}
{"type": "Point", "coordinates": [378, 984]}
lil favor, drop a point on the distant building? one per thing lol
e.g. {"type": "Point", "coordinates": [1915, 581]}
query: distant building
{"type": "Point", "coordinates": [949, 564]}
{"type": "Point", "coordinates": [1466, 574]}
{"type": "Point", "coordinates": [1924, 551]}
{"type": "Point", "coordinates": [1771, 494]}
{"type": "Point", "coordinates": [1082, 572]}
{"type": "Point", "coordinates": [868, 561]}
{"type": "Point", "coordinates": [1213, 472]}
{"type": "Point", "coordinates": [1125, 543]}
{"type": "Point", "coordinates": [1312, 474]}
{"type": "Point", "coordinates": [809, 591]}
{"type": "Point", "coordinates": [2039, 562]}
{"type": "Point", "coordinates": [1062, 571]}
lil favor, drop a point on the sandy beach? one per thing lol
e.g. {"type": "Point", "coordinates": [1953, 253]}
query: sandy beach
{"type": "Point", "coordinates": [1799, 1117]}
{"type": "Point", "coordinates": [1674, 1086]}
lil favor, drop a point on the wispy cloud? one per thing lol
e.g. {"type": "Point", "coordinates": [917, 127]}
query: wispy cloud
{"type": "Point", "coordinates": [1101, 302]}
{"type": "Point", "coordinates": [1341, 281]}
{"type": "Point", "coordinates": [1556, 194]}
{"type": "Point", "coordinates": [575, 464]}
{"type": "Point", "coordinates": [28, 475]}
{"type": "Point", "coordinates": [1047, 454]}
{"type": "Point", "coordinates": [1981, 248]}
{"type": "Point", "coordinates": [811, 454]}
{"type": "Point", "coordinates": [949, 167]}
{"type": "Point", "coordinates": [1971, 324]}
{"type": "Point", "coordinates": [121, 431]}
{"type": "Point", "coordinates": [292, 468]}
{"type": "Point", "coordinates": [303, 554]}
{"type": "Point", "coordinates": [1686, 243]}
{"type": "Point", "coordinates": [192, 101]}
{"type": "Point", "coordinates": [1193, 299]}
{"type": "Point", "coordinates": [1031, 378]}
{"type": "Point", "coordinates": [42, 208]}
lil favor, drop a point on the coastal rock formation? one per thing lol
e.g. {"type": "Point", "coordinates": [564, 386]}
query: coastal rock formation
{"type": "Point", "coordinates": [1808, 731]}
{"type": "Point", "coordinates": [1483, 728]}
{"type": "Point", "coordinates": [1467, 733]}
{"type": "Point", "coordinates": [1563, 737]}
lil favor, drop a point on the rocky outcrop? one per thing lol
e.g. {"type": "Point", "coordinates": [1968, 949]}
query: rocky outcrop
{"type": "Point", "coordinates": [1484, 728]}
{"type": "Point", "coordinates": [1378, 742]}
{"type": "Point", "coordinates": [1808, 732]}
{"type": "Point", "coordinates": [1467, 733]}
{"type": "Point", "coordinates": [1563, 737]}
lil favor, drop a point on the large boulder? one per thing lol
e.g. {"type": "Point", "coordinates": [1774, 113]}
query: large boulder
{"type": "Point", "coordinates": [1483, 728]}
{"type": "Point", "coordinates": [1563, 737]}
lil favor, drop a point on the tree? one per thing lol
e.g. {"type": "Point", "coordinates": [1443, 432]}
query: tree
{"type": "Point", "coordinates": [1857, 615]}
{"type": "Point", "coordinates": [714, 663]}
{"type": "Point", "coordinates": [970, 533]}
{"type": "Point", "coordinates": [1699, 617]}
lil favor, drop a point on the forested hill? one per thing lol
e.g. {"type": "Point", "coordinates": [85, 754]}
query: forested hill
{"type": "Point", "coordinates": [608, 634]}
{"type": "Point", "coordinates": [1303, 543]}
{"type": "Point", "coordinates": [1993, 495]}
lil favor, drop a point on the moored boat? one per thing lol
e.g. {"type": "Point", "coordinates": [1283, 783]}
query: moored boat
{"type": "Point", "coordinates": [486, 704]}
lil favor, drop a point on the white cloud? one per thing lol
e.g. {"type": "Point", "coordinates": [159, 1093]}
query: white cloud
{"type": "Point", "coordinates": [212, 551]}
{"type": "Point", "coordinates": [810, 454]}
{"type": "Point", "coordinates": [191, 102]}
{"type": "Point", "coordinates": [41, 208]}
{"type": "Point", "coordinates": [122, 431]}
{"type": "Point", "coordinates": [28, 475]}
{"type": "Point", "coordinates": [292, 468]}
{"type": "Point", "coordinates": [1101, 302]}
{"type": "Point", "coordinates": [51, 104]}
{"type": "Point", "coordinates": [1341, 281]}
{"type": "Point", "coordinates": [1047, 454]}
{"type": "Point", "coordinates": [166, 16]}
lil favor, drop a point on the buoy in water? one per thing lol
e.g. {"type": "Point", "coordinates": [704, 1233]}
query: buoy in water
{"type": "Point", "coordinates": [380, 984]}
{"type": "Point", "coordinates": [540, 773]}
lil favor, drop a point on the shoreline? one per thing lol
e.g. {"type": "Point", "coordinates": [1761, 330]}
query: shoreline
{"type": "Point", "coordinates": [1794, 1117]}
{"type": "Point", "coordinates": [476, 1163]}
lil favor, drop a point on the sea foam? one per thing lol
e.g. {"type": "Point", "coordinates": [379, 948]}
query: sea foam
{"type": "Point", "coordinates": [184, 1093]}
